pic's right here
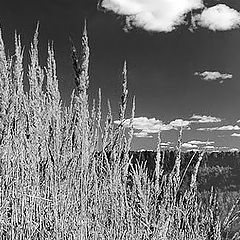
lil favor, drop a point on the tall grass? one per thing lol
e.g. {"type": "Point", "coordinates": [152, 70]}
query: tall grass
{"type": "Point", "coordinates": [64, 175]}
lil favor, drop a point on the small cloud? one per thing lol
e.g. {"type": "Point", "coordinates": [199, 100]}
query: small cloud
{"type": "Point", "coordinates": [196, 142]}
{"type": "Point", "coordinates": [223, 128]}
{"type": "Point", "coordinates": [180, 123]}
{"type": "Point", "coordinates": [147, 125]}
{"type": "Point", "coordinates": [222, 148]}
{"type": "Point", "coordinates": [206, 129]}
{"type": "Point", "coordinates": [229, 128]}
{"type": "Point", "coordinates": [209, 147]}
{"type": "Point", "coordinates": [153, 15]}
{"type": "Point", "coordinates": [165, 144]}
{"type": "Point", "coordinates": [140, 123]}
{"type": "Point", "coordinates": [159, 127]}
{"type": "Point", "coordinates": [238, 121]}
{"type": "Point", "coordinates": [218, 18]}
{"type": "Point", "coordinates": [205, 119]}
{"type": "Point", "coordinates": [145, 150]}
{"type": "Point", "coordinates": [193, 150]}
{"type": "Point", "coordinates": [212, 76]}
{"type": "Point", "coordinates": [235, 135]}
{"type": "Point", "coordinates": [188, 145]}
{"type": "Point", "coordinates": [142, 135]}
{"type": "Point", "coordinates": [164, 147]}
{"type": "Point", "coordinates": [234, 150]}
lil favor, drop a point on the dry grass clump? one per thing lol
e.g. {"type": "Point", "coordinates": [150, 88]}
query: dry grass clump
{"type": "Point", "coordinates": [65, 176]}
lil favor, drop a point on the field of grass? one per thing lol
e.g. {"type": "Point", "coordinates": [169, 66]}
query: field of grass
{"type": "Point", "coordinates": [63, 175]}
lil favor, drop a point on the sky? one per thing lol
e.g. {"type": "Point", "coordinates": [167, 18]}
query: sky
{"type": "Point", "coordinates": [183, 61]}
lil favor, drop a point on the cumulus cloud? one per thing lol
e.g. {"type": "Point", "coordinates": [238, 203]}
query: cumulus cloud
{"type": "Point", "coordinates": [153, 125]}
{"type": "Point", "coordinates": [146, 125]}
{"type": "Point", "coordinates": [179, 123]}
{"type": "Point", "coordinates": [142, 135]}
{"type": "Point", "coordinates": [229, 128]}
{"type": "Point", "coordinates": [209, 147]}
{"type": "Point", "coordinates": [159, 127]}
{"type": "Point", "coordinates": [218, 18]}
{"type": "Point", "coordinates": [165, 144]}
{"type": "Point", "coordinates": [153, 15]}
{"type": "Point", "coordinates": [235, 135]}
{"type": "Point", "coordinates": [166, 15]}
{"type": "Point", "coordinates": [196, 145]}
{"type": "Point", "coordinates": [146, 150]}
{"type": "Point", "coordinates": [223, 128]}
{"type": "Point", "coordinates": [234, 150]}
{"type": "Point", "coordinates": [197, 142]}
{"type": "Point", "coordinates": [188, 145]}
{"type": "Point", "coordinates": [205, 119]}
{"type": "Point", "coordinates": [222, 148]}
{"type": "Point", "coordinates": [212, 76]}
{"type": "Point", "coordinates": [192, 150]}
{"type": "Point", "coordinates": [206, 129]}
{"type": "Point", "coordinates": [141, 123]}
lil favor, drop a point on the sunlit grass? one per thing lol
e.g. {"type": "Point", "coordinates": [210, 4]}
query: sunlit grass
{"type": "Point", "coordinates": [64, 175]}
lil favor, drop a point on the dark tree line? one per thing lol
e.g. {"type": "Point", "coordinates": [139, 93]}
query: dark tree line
{"type": "Point", "coordinates": [218, 169]}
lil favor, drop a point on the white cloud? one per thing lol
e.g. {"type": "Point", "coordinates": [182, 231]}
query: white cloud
{"type": "Point", "coordinates": [152, 125]}
{"type": "Point", "coordinates": [159, 127]}
{"type": "Point", "coordinates": [238, 121]}
{"type": "Point", "coordinates": [222, 148]}
{"type": "Point", "coordinates": [142, 135]}
{"type": "Point", "coordinates": [140, 123]}
{"type": "Point", "coordinates": [146, 125]}
{"type": "Point", "coordinates": [234, 150]}
{"type": "Point", "coordinates": [193, 150]}
{"type": "Point", "coordinates": [207, 129]}
{"type": "Point", "coordinates": [235, 135]}
{"type": "Point", "coordinates": [197, 142]}
{"type": "Point", "coordinates": [209, 147]}
{"type": "Point", "coordinates": [212, 76]}
{"type": "Point", "coordinates": [153, 15]}
{"type": "Point", "coordinates": [179, 123]}
{"type": "Point", "coordinates": [164, 147]}
{"type": "Point", "coordinates": [166, 144]}
{"type": "Point", "coordinates": [188, 145]}
{"type": "Point", "coordinates": [223, 128]}
{"type": "Point", "coordinates": [166, 15]}
{"type": "Point", "coordinates": [144, 150]}
{"type": "Point", "coordinates": [196, 145]}
{"type": "Point", "coordinates": [205, 119]}
{"type": "Point", "coordinates": [218, 18]}
{"type": "Point", "coordinates": [229, 128]}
